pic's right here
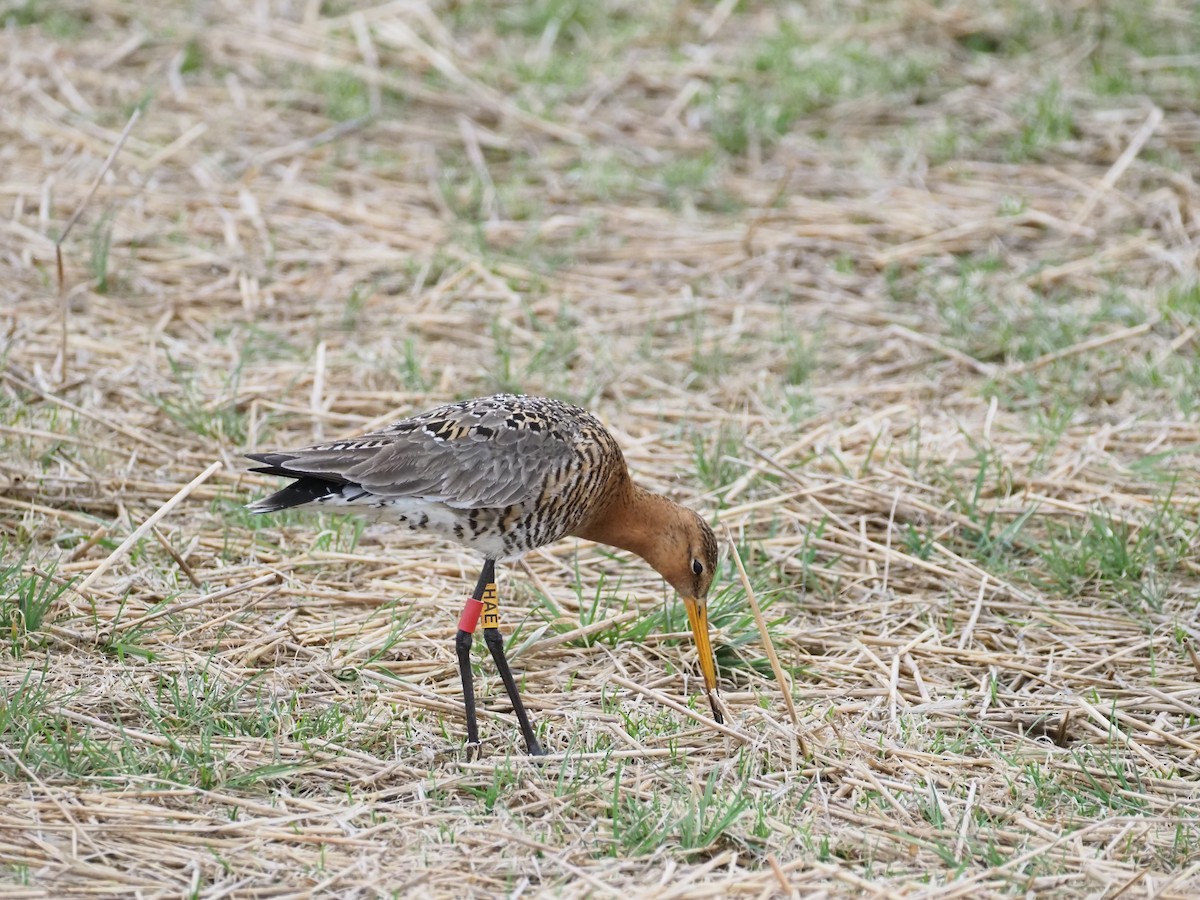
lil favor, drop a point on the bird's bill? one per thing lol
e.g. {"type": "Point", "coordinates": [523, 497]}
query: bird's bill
{"type": "Point", "coordinates": [697, 611]}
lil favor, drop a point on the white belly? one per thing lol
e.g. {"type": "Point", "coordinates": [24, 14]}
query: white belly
{"type": "Point", "coordinates": [425, 517]}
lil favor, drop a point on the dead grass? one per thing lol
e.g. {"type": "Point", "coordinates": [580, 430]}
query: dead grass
{"type": "Point", "coordinates": [904, 294]}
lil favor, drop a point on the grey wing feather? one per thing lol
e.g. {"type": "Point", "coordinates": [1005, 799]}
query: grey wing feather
{"type": "Point", "coordinates": [467, 471]}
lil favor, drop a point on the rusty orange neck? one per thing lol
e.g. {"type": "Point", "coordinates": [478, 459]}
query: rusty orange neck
{"type": "Point", "coordinates": [637, 520]}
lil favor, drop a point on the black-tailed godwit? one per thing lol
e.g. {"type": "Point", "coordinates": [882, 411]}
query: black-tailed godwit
{"type": "Point", "coordinates": [503, 475]}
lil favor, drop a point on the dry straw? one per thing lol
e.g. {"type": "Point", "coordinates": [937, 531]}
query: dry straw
{"type": "Point", "coordinates": [929, 354]}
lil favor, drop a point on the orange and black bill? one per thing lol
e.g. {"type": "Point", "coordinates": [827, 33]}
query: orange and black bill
{"type": "Point", "coordinates": [697, 611]}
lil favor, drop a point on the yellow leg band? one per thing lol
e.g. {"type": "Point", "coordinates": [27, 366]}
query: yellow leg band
{"type": "Point", "coordinates": [491, 607]}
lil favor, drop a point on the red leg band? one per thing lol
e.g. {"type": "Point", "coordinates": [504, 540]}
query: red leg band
{"type": "Point", "coordinates": [470, 615]}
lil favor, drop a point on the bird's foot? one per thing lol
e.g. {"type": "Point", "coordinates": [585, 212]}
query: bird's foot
{"type": "Point", "coordinates": [474, 750]}
{"type": "Point", "coordinates": [535, 749]}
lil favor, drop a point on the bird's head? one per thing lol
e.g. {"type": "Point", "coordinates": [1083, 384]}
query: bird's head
{"type": "Point", "coordinates": [687, 559]}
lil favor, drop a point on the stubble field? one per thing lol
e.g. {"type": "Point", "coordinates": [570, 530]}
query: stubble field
{"type": "Point", "coordinates": [903, 295]}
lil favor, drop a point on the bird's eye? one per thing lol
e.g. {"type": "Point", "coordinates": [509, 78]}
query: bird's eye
{"type": "Point", "coordinates": [697, 567]}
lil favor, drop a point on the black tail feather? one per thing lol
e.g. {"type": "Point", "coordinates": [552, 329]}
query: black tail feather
{"type": "Point", "coordinates": [302, 490]}
{"type": "Point", "coordinates": [274, 465]}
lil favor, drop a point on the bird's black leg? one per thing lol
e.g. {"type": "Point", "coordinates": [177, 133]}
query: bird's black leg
{"type": "Point", "coordinates": [495, 643]}
{"type": "Point", "coordinates": [462, 644]}
{"type": "Point", "coordinates": [484, 600]}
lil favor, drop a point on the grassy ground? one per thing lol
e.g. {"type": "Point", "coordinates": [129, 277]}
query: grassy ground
{"type": "Point", "coordinates": [904, 294]}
